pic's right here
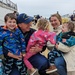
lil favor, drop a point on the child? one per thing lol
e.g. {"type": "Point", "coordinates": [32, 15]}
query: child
{"type": "Point", "coordinates": [1, 58]}
{"type": "Point", "coordinates": [13, 45]}
{"type": "Point", "coordinates": [67, 37]}
{"type": "Point", "coordinates": [39, 38]}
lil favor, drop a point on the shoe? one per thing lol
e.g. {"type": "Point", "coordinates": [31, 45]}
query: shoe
{"type": "Point", "coordinates": [51, 69]}
{"type": "Point", "coordinates": [35, 72]}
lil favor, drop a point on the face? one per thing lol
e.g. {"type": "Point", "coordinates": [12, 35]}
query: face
{"type": "Point", "coordinates": [64, 28]}
{"type": "Point", "coordinates": [25, 27]}
{"type": "Point", "coordinates": [11, 24]}
{"type": "Point", "coordinates": [54, 22]}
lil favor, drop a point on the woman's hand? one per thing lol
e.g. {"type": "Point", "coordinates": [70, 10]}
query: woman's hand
{"type": "Point", "coordinates": [63, 40]}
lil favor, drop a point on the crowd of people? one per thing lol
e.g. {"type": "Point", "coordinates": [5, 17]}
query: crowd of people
{"type": "Point", "coordinates": [21, 46]}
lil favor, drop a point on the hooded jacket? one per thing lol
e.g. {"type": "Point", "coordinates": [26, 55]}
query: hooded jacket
{"type": "Point", "coordinates": [11, 41]}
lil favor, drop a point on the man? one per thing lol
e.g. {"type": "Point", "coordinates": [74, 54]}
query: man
{"type": "Point", "coordinates": [38, 61]}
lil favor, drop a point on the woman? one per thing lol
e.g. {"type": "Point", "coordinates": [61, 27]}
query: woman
{"type": "Point", "coordinates": [56, 22]}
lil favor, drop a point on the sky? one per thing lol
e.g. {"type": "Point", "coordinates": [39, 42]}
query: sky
{"type": "Point", "coordinates": [45, 7]}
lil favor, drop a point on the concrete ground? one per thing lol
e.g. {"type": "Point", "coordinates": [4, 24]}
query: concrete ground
{"type": "Point", "coordinates": [55, 73]}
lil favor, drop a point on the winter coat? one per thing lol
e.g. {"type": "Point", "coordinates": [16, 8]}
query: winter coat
{"type": "Point", "coordinates": [69, 55]}
{"type": "Point", "coordinates": [12, 41]}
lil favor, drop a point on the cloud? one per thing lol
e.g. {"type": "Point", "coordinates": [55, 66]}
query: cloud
{"type": "Point", "coordinates": [45, 7]}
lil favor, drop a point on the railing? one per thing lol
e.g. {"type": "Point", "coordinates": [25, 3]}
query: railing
{"type": "Point", "coordinates": [9, 4]}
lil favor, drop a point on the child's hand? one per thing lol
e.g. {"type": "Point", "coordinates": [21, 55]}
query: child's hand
{"type": "Point", "coordinates": [14, 56]}
{"type": "Point", "coordinates": [56, 45]}
{"type": "Point", "coordinates": [24, 55]}
{"type": "Point", "coordinates": [63, 40]}
{"type": "Point", "coordinates": [18, 57]}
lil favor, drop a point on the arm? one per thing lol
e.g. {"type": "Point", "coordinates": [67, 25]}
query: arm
{"type": "Point", "coordinates": [51, 38]}
{"type": "Point", "coordinates": [1, 44]}
{"type": "Point", "coordinates": [22, 41]}
{"type": "Point", "coordinates": [14, 56]}
{"type": "Point", "coordinates": [63, 47]}
{"type": "Point", "coordinates": [1, 47]}
{"type": "Point", "coordinates": [70, 42]}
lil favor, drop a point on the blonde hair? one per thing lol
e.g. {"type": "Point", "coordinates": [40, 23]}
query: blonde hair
{"type": "Point", "coordinates": [43, 24]}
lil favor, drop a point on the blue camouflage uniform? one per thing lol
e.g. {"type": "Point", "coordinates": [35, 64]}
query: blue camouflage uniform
{"type": "Point", "coordinates": [12, 41]}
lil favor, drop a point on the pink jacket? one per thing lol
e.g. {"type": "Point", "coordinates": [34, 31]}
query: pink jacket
{"type": "Point", "coordinates": [40, 38]}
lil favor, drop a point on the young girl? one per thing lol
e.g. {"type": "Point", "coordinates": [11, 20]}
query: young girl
{"type": "Point", "coordinates": [13, 45]}
{"type": "Point", "coordinates": [67, 37]}
{"type": "Point", "coordinates": [39, 38]}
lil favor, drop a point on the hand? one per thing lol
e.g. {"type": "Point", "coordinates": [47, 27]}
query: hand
{"type": "Point", "coordinates": [37, 48]}
{"type": "Point", "coordinates": [15, 56]}
{"type": "Point", "coordinates": [18, 57]}
{"type": "Point", "coordinates": [56, 45]}
{"type": "Point", "coordinates": [24, 55]}
{"type": "Point", "coordinates": [63, 40]}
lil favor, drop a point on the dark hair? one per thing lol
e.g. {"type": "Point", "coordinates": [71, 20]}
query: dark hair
{"type": "Point", "coordinates": [58, 17]}
{"type": "Point", "coordinates": [9, 15]}
{"type": "Point", "coordinates": [70, 25]}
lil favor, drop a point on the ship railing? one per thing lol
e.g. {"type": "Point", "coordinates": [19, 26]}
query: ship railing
{"type": "Point", "coordinates": [9, 4]}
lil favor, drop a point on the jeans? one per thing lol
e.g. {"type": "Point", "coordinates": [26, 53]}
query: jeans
{"type": "Point", "coordinates": [61, 66]}
{"type": "Point", "coordinates": [38, 61]}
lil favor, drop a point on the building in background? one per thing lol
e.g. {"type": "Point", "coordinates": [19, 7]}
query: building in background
{"type": "Point", "coordinates": [6, 6]}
